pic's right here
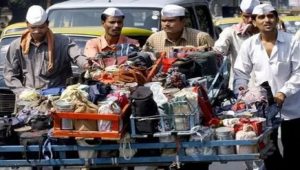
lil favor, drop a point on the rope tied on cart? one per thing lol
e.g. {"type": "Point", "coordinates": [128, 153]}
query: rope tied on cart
{"type": "Point", "coordinates": [195, 130]}
{"type": "Point", "coordinates": [176, 163]}
{"type": "Point", "coordinates": [125, 148]}
{"type": "Point", "coordinates": [47, 147]}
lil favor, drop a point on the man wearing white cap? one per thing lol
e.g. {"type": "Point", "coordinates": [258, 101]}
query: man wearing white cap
{"type": "Point", "coordinates": [175, 33]}
{"type": "Point", "coordinates": [231, 38]}
{"type": "Point", "coordinates": [112, 20]}
{"type": "Point", "coordinates": [273, 56]}
{"type": "Point", "coordinates": [40, 59]}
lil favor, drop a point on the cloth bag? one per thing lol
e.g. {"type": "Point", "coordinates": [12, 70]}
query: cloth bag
{"type": "Point", "coordinates": [209, 62]}
{"type": "Point", "coordinates": [189, 67]}
{"type": "Point", "coordinates": [143, 106]}
{"type": "Point", "coordinates": [132, 74]}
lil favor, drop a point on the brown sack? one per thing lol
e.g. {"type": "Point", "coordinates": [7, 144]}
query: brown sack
{"type": "Point", "coordinates": [85, 125]}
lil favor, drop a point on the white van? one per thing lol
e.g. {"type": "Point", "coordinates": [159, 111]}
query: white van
{"type": "Point", "coordinates": [138, 13]}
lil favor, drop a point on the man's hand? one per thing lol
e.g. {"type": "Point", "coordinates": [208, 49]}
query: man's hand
{"type": "Point", "coordinates": [86, 66]}
{"type": "Point", "coordinates": [279, 98]}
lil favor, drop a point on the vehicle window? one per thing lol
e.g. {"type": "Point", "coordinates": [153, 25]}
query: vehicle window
{"type": "Point", "coordinates": [73, 18]}
{"type": "Point", "coordinates": [190, 19]}
{"type": "Point", "coordinates": [205, 21]}
{"type": "Point", "coordinates": [4, 44]}
{"type": "Point", "coordinates": [134, 17]}
{"type": "Point", "coordinates": [15, 30]}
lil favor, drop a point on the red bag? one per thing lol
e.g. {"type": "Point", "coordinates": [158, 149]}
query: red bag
{"type": "Point", "coordinates": [239, 106]}
{"type": "Point", "coordinates": [256, 125]}
{"type": "Point", "coordinates": [204, 105]}
{"type": "Point", "coordinates": [167, 63]}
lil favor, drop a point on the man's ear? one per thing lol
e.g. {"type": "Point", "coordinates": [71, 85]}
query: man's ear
{"type": "Point", "coordinates": [254, 23]}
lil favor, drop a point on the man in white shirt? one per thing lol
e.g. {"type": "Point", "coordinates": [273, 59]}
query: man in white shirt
{"type": "Point", "coordinates": [231, 38]}
{"type": "Point", "coordinates": [273, 56]}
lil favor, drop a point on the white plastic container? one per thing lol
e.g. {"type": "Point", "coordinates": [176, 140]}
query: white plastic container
{"type": "Point", "coordinates": [225, 133]}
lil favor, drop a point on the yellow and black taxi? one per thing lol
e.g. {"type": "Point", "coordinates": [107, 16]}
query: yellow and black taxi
{"type": "Point", "coordinates": [226, 22]}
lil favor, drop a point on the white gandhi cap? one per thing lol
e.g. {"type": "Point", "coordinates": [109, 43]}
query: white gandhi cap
{"type": "Point", "coordinates": [36, 15]}
{"type": "Point", "coordinates": [115, 12]}
{"type": "Point", "coordinates": [263, 9]}
{"type": "Point", "coordinates": [172, 11]}
{"type": "Point", "coordinates": [247, 6]}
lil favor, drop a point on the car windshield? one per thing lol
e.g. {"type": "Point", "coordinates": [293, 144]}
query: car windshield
{"type": "Point", "coordinates": [145, 18]}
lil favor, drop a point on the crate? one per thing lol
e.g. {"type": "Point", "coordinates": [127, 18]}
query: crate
{"type": "Point", "coordinates": [7, 102]}
{"type": "Point", "coordinates": [118, 125]}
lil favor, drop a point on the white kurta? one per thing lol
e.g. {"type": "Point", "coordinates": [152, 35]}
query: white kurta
{"type": "Point", "coordinates": [281, 69]}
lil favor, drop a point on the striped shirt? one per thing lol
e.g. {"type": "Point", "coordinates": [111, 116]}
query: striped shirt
{"type": "Point", "coordinates": [159, 41]}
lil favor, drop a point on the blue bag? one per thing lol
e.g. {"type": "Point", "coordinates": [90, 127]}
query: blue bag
{"type": "Point", "coordinates": [55, 91]}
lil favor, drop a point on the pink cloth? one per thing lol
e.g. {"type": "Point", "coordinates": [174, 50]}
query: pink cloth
{"type": "Point", "coordinates": [252, 95]}
{"type": "Point", "coordinates": [242, 28]}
